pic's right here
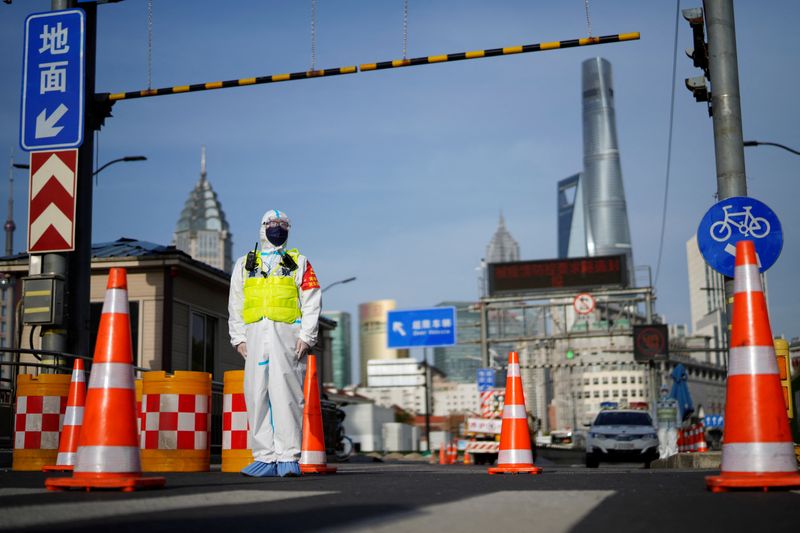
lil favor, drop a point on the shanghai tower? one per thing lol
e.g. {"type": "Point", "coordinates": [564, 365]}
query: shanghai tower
{"type": "Point", "coordinates": [605, 215]}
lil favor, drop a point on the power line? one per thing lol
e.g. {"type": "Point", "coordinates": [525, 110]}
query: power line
{"type": "Point", "coordinates": [669, 143]}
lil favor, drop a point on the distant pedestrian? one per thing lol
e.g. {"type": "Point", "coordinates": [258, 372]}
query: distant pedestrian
{"type": "Point", "coordinates": [669, 419]}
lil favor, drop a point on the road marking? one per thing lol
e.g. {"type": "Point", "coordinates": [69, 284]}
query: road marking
{"type": "Point", "coordinates": [533, 510]}
{"type": "Point", "coordinates": [49, 514]}
{"type": "Point", "coordinates": [20, 492]}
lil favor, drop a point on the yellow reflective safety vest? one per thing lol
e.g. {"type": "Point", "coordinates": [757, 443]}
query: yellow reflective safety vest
{"type": "Point", "coordinates": [273, 297]}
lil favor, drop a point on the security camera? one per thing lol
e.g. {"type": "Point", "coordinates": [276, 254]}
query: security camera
{"type": "Point", "coordinates": [698, 87]}
{"type": "Point", "coordinates": [694, 15]}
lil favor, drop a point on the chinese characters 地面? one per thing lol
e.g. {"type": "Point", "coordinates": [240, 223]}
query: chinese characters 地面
{"type": "Point", "coordinates": [53, 75]}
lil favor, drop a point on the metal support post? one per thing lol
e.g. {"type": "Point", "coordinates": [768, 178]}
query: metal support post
{"type": "Point", "coordinates": [54, 338]}
{"type": "Point", "coordinates": [427, 403]}
{"type": "Point", "coordinates": [574, 406]}
{"type": "Point", "coordinates": [727, 112]}
{"type": "Point", "coordinates": [484, 336]}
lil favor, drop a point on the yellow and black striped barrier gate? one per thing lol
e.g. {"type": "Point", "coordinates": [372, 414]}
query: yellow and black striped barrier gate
{"type": "Point", "coordinates": [275, 78]}
{"type": "Point", "coordinates": [494, 52]}
{"type": "Point", "coordinates": [476, 54]}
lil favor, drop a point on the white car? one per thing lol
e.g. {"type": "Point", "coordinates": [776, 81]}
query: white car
{"type": "Point", "coordinates": [622, 435]}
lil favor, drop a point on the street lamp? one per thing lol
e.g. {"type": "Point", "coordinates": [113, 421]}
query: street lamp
{"type": "Point", "coordinates": [340, 282]}
{"type": "Point", "coordinates": [764, 143]}
{"type": "Point", "coordinates": [126, 159]}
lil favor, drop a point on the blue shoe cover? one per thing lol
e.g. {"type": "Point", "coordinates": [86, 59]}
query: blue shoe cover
{"type": "Point", "coordinates": [260, 469]}
{"type": "Point", "coordinates": [288, 468]}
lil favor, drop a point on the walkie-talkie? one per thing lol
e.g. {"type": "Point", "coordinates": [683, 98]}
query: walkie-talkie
{"type": "Point", "coordinates": [250, 264]}
{"type": "Point", "coordinates": [288, 262]}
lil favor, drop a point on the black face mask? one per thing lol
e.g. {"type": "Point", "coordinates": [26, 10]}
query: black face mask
{"type": "Point", "coordinates": [277, 235]}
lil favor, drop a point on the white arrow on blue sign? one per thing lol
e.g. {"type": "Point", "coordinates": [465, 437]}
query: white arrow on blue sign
{"type": "Point", "coordinates": [735, 219]}
{"type": "Point", "coordinates": [435, 326]}
{"type": "Point", "coordinates": [53, 80]}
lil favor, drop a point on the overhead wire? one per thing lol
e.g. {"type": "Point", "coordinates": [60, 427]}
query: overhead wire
{"type": "Point", "coordinates": [669, 143]}
{"type": "Point", "coordinates": [149, 44]}
{"type": "Point", "coordinates": [588, 18]}
{"type": "Point", "coordinates": [405, 29]}
{"type": "Point", "coordinates": [313, 35]}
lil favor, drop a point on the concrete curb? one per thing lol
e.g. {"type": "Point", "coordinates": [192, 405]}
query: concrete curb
{"type": "Point", "coordinates": [707, 460]}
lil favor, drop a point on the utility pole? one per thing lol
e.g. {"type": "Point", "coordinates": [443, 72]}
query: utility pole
{"type": "Point", "coordinates": [9, 225]}
{"type": "Point", "coordinates": [726, 110]}
{"type": "Point", "coordinates": [75, 266]}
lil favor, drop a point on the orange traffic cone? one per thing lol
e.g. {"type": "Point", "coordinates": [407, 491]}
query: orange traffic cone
{"type": "Point", "coordinates": [108, 448]}
{"type": "Point", "coordinates": [757, 450]}
{"type": "Point", "coordinates": [73, 418]}
{"type": "Point", "coordinates": [702, 446]}
{"type": "Point", "coordinates": [467, 458]}
{"type": "Point", "coordinates": [443, 454]}
{"type": "Point", "coordinates": [515, 456]}
{"type": "Point", "coordinates": [312, 458]}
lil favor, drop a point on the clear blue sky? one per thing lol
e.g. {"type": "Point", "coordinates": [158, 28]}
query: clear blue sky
{"type": "Point", "coordinates": [398, 177]}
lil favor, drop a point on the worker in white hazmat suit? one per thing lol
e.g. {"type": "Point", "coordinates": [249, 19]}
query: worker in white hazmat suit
{"type": "Point", "coordinates": [669, 419]}
{"type": "Point", "coordinates": [273, 307]}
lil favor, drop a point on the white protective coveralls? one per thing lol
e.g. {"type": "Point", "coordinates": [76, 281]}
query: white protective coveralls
{"type": "Point", "coordinates": [273, 374]}
{"type": "Point", "coordinates": [669, 419]}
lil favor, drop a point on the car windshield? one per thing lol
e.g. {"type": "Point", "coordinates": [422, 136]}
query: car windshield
{"type": "Point", "coordinates": [623, 419]}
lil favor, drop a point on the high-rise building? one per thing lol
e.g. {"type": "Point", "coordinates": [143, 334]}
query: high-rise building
{"type": "Point", "coordinates": [341, 349]}
{"type": "Point", "coordinates": [202, 230]}
{"type": "Point", "coordinates": [706, 300]}
{"type": "Point", "coordinates": [571, 221]}
{"type": "Point", "coordinates": [502, 248]}
{"type": "Point", "coordinates": [593, 216]}
{"type": "Point", "coordinates": [372, 336]}
{"type": "Point", "coordinates": [460, 363]}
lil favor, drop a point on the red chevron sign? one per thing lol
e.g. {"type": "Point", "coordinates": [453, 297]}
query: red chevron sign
{"type": "Point", "coordinates": [51, 201]}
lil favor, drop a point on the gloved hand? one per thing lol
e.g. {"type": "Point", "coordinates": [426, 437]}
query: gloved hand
{"type": "Point", "coordinates": [301, 349]}
{"type": "Point", "coordinates": [242, 349]}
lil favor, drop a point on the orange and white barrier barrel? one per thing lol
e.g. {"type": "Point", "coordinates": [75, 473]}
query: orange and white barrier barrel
{"type": "Point", "coordinates": [236, 451]}
{"type": "Point", "coordinates": [41, 404]}
{"type": "Point", "coordinates": [176, 418]}
{"type": "Point", "coordinates": [137, 385]}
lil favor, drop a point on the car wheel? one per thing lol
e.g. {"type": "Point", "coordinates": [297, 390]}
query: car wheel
{"type": "Point", "coordinates": [591, 461]}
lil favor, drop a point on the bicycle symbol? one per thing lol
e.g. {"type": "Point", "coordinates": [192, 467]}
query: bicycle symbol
{"type": "Point", "coordinates": [757, 227]}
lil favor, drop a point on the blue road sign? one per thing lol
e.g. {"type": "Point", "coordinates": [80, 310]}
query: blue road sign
{"type": "Point", "coordinates": [735, 219]}
{"type": "Point", "coordinates": [52, 80]}
{"type": "Point", "coordinates": [422, 327]}
{"type": "Point", "coordinates": [486, 378]}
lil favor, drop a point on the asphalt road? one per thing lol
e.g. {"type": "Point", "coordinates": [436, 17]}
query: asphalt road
{"type": "Point", "coordinates": [402, 497]}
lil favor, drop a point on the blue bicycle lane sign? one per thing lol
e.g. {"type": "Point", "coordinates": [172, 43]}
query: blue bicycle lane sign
{"type": "Point", "coordinates": [732, 220]}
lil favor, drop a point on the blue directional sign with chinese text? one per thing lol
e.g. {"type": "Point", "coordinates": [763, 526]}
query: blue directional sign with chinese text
{"type": "Point", "coordinates": [53, 80]}
{"type": "Point", "coordinates": [421, 327]}
{"type": "Point", "coordinates": [735, 219]}
{"type": "Point", "coordinates": [486, 377]}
